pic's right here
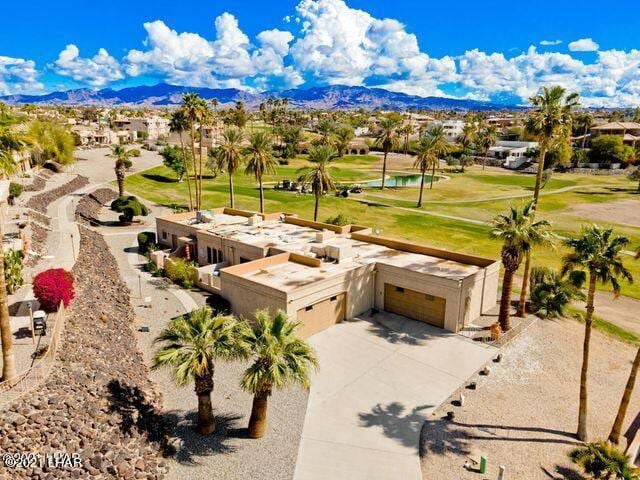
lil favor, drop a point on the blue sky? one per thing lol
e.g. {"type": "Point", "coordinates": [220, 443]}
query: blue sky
{"type": "Point", "coordinates": [489, 50]}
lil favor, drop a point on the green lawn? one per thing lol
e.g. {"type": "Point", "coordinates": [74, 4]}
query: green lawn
{"type": "Point", "coordinates": [159, 185]}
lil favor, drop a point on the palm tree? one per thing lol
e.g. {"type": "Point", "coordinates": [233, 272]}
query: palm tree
{"type": "Point", "coordinates": [326, 129]}
{"type": "Point", "coordinates": [425, 157]}
{"type": "Point", "coordinates": [280, 360]}
{"type": "Point", "coordinates": [440, 147]}
{"type": "Point", "coordinates": [261, 161]}
{"type": "Point", "coordinates": [343, 135]}
{"type": "Point", "coordinates": [614, 436]}
{"type": "Point", "coordinates": [10, 144]}
{"type": "Point", "coordinates": [603, 460]}
{"type": "Point", "coordinates": [179, 123]}
{"type": "Point", "coordinates": [406, 131]}
{"type": "Point", "coordinates": [551, 293]}
{"type": "Point", "coordinates": [468, 136]}
{"type": "Point", "coordinates": [584, 122]}
{"type": "Point", "coordinates": [121, 154]}
{"type": "Point", "coordinates": [596, 253]}
{"type": "Point", "coordinates": [552, 117]}
{"type": "Point", "coordinates": [194, 106]}
{"type": "Point", "coordinates": [387, 139]}
{"type": "Point", "coordinates": [190, 347]}
{"type": "Point", "coordinates": [519, 232]}
{"type": "Point", "coordinates": [318, 175]}
{"type": "Point", "coordinates": [228, 156]}
{"type": "Point", "coordinates": [486, 137]}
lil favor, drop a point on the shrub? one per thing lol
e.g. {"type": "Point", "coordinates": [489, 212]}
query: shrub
{"type": "Point", "coordinates": [603, 460]}
{"type": "Point", "coordinates": [145, 241]}
{"type": "Point", "coordinates": [15, 189]}
{"type": "Point", "coordinates": [13, 270]}
{"type": "Point", "coordinates": [181, 271]}
{"type": "Point", "coordinates": [339, 220]}
{"type": "Point", "coordinates": [129, 207]}
{"type": "Point", "coordinates": [52, 287]}
{"type": "Point", "coordinates": [135, 152]}
{"type": "Point", "coordinates": [551, 293]}
{"type": "Point", "coordinates": [128, 163]}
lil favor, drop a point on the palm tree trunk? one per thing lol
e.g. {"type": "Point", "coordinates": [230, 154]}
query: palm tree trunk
{"type": "Point", "coordinates": [231, 199]}
{"type": "Point", "coordinates": [584, 138]}
{"type": "Point", "coordinates": [8, 360]}
{"type": "Point", "coordinates": [582, 410]}
{"type": "Point", "coordinates": [199, 179]}
{"type": "Point", "coordinates": [505, 300]}
{"type": "Point", "coordinates": [186, 167]}
{"type": "Point", "coordinates": [536, 191]}
{"type": "Point", "coordinates": [315, 209]}
{"type": "Point", "coordinates": [522, 304]}
{"type": "Point", "coordinates": [433, 173]}
{"type": "Point", "coordinates": [195, 172]}
{"type": "Point", "coordinates": [258, 419]}
{"type": "Point", "coordinates": [261, 196]}
{"type": "Point", "coordinates": [421, 187]}
{"type": "Point", "coordinates": [120, 178]}
{"type": "Point", "coordinates": [384, 169]}
{"type": "Point", "coordinates": [614, 436]}
{"type": "Point", "coordinates": [206, 421]}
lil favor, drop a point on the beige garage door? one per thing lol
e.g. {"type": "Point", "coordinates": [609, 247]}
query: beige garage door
{"type": "Point", "coordinates": [317, 317]}
{"type": "Point", "coordinates": [415, 305]}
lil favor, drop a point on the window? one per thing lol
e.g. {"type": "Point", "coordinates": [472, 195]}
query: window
{"type": "Point", "coordinates": [220, 257]}
{"type": "Point", "coordinates": [309, 308]}
{"type": "Point", "coordinates": [164, 235]}
{"type": "Point", "coordinates": [210, 255]}
{"type": "Point", "coordinates": [399, 289]}
{"type": "Point", "coordinates": [334, 298]}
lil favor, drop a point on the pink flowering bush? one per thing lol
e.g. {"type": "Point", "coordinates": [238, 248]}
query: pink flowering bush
{"type": "Point", "coordinates": [52, 287]}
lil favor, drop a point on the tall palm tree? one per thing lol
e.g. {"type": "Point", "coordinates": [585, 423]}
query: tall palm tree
{"type": "Point", "coordinates": [194, 107]}
{"type": "Point", "coordinates": [387, 139]}
{"type": "Point", "coordinates": [551, 118]}
{"type": "Point", "coordinates": [597, 252]}
{"type": "Point", "coordinates": [121, 154]}
{"type": "Point", "coordinates": [228, 156]}
{"type": "Point", "coordinates": [280, 359]}
{"type": "Point", "coordinates": [583, 122]}
{"type": "Point", "coordinates": [406, 131]}
{"type": "Point", "coordinates": [326, 129]}
{"type": "Point", "coordinates": [440, 147]}
{"type": "Point", "coordinates": [318, 175]}
{"type": "Point", "coordinates": [261, 161]}
{"type": "Point", "coordinates": [485, 138]}
{"type": "Point", "coordinates": [190, 347]}
{"type": "Point", "coordinates": [425, 157]}
{"type": "Point", "coordinates": [179, 123]}
{"type": "Point", "coordinates": [10, 144]}
{"type": "Point", "coordinates": [519, 231]}
{"type": "Point", "coordinates": [343, 135]}
{"type": "Point", "coordinates": [614, 436]}
{"type": "Point", "coordinates": [468, 136]}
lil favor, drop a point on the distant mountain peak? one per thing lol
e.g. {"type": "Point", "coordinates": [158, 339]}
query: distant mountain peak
{"type": "Point", "coordinates": [332, 97]}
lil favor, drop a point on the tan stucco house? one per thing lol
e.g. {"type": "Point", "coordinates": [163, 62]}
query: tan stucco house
{"type": "Point", "coordinates": [322, 274]}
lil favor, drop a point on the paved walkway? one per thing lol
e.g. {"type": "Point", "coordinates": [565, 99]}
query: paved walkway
{"type": "Point", "coordinates": [378, 382]}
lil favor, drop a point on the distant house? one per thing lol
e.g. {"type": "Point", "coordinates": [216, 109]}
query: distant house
{"type": "Point", "coordinates": [452, 129]}
{"type": "Point", "coordinates": [361, 131]}
{"type": "Point", "coordinates": [151, 128]}
{"type": "Point", "coordinates": [514, 154]}
{"type": "Point", "coordinates": [629, 131]}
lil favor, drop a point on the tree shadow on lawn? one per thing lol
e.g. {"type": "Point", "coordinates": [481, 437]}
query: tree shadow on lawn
{"type": "Point", "coordinates": [154, 177]}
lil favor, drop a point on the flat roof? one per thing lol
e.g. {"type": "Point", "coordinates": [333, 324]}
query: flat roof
{"type": "Point", "coordinates": [299, 240]}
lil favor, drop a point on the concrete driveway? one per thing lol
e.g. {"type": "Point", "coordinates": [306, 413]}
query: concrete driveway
{"type": "Point", "coordinates": [378, 382]}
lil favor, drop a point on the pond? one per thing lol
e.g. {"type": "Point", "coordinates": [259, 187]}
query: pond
{"type": "Point", "coordinates": [401, 180]}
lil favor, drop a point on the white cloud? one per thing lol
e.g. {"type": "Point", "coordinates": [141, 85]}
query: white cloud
{"type": "Point", "coordinates": [96, 71]}
{"type": "Point", "coordinates": [547, 43]}
{"type": "Point", "coordinates": [18, 76]}
{"type": "Point", "coordinates": [583, 45]}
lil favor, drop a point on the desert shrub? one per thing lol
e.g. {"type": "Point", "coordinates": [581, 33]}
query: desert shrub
{"type": "Point", "coordinates": [52, 287]}
{"type": "Point", "coordinates": [181, 271]}
{"type": "Point", "coordinates": [135, 152]}
{"type": "Point", "coordinates": [128, 163]}
{"type": "Point", "coordinates": [145, 241]}
{"type": "Point", "coordinates": [15, 189]}
{"type": "Point", "coordinates": [339, 220]}
{"type": "Point", "coordinates": [130, 207]}
{"type": "Point", "coordinates": [13, 270]}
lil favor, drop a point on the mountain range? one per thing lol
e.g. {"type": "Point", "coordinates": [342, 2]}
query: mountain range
{"type": "Point", "coordinates": [336, 97]}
